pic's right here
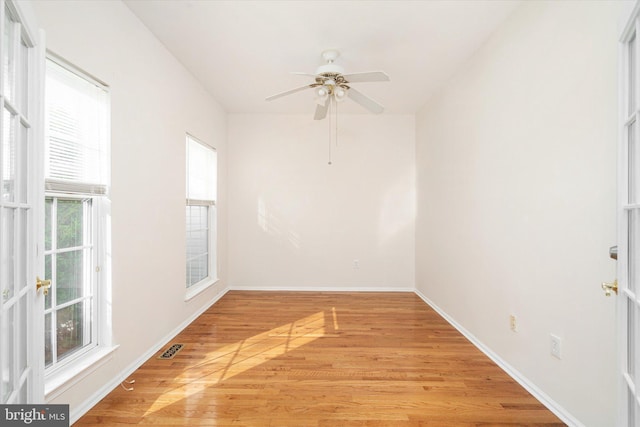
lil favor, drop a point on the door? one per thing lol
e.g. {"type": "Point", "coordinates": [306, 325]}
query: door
{"type": "Point", "coordinates": [629, 224]}
{"type": "Point", "coordinates": [21, 207]}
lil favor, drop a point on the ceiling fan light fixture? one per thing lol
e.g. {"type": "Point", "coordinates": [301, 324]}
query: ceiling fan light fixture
{"type": "Point", "coordinates": [322, 93]}
{"type": "Point", "coordinates": [340, 93]}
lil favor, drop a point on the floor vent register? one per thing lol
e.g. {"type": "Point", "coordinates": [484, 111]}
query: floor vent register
{"type": "Point", "coordinates": [171, 352]}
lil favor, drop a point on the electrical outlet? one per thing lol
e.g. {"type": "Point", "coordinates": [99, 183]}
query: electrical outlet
{"type": "Point", "coordinates": [356, 264]}
{"type": "Point", "coordinates": [513, 324]}
{"type": "Point", "coordinates": [556, 346]}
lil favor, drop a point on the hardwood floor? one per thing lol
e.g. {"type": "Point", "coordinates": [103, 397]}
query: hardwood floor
{"type": "Point", "coordinates": [321, 359]}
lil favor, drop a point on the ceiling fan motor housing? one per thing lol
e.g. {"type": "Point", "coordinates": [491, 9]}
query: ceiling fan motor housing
{"type": "Point", "coordinates": [329, 69]}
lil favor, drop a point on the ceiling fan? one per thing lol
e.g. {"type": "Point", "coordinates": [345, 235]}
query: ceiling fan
{"type": "Point", "coordinates": [332, 84]}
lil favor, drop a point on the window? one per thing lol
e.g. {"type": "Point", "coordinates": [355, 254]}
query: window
{"type": "Point", "coordinates": [76, 188]}
{"type": "Point", "coordinates": [201, 166]}
{"type": "Point", "coordinates": [69, 260]}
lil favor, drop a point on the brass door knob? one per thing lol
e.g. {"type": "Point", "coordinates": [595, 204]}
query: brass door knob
{"type": "Point", "coordinates": [44, 284]}
{"type": "Point", "coordinates": [608, 287]}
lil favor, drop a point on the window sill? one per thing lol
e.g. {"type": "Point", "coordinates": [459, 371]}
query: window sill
{"type": "Point", "coordinates": [60, 381]}
{"type": "Point", "coordinates": [196, 290]}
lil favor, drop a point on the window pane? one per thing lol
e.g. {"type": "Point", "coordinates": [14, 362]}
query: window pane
{"type": "Point", "coordinates": [23, 394]}
{"type": "Point", "coordinates": [6, 349]}
{"type": "Point", "coordinates": [197, 270]}
{"type": "Point", "coordinates": [8, 56]}
{"type": "Point", "coordinates": [69, 222]}
{"type": "Point", "coordinates": [23, 231]}
{"type": "Point", "coordinates": [634, 240]}
{"type": "Point", "coordinates": [7, 253]}
{"type": "Point", "coordinates": [48, 345]}
{"type": "Point", "coordinates": [634, 163]}
{"type": "Point", "coordinates": [197, 243]}
{"type": "Point", "coordinates": [76, 128]}
{"type": "Point", "coordinates": [48, 212]}
{"type": "Point", "coordinates": [24, 77]}
{"type": "Point", "coordinates": [23, 157]}
{"type": "Point", "coordinates": [631, 335]}
{"type": "Point", "coordinates": [631, 421]}
{"type": "Point", "coordinates": [71, 328]}
{"type": "Point", "coordinates": [203, 267]}
{"type": "Point", "coordinates": [201, 171]}
{"type": "Point", "coordinates": [8, 158]}
{"type": "Point", "coordinates": [48, 275]}
{"type": "Point", "coordinates": [69, 272]}
{"type": "Point", "coordinates": [632, 75]}
{"type": "Point", "coordinates": [22, 337]}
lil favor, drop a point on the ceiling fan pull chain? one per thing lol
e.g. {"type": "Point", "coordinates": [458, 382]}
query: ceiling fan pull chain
{"type": "Point", "coordinates": [335, 101]}
{"type": "Point", "coordinates": [330, 108]}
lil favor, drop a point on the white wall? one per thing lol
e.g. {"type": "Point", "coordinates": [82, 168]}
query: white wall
{"type": "Point", "coordinates": [296, 222]}
{"type": "Point", "coordinates": [516, 190]}
{"type": "Point", "coordinates": [154, 102]}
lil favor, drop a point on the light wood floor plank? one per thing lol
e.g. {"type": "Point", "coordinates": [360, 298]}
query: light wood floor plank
{"type": "Point", "coordinates": [319, 359]}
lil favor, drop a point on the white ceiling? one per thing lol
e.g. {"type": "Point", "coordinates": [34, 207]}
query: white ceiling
{"type": "Point", "coordinates": [244, 51]}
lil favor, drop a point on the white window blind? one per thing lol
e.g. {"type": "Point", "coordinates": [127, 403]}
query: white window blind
{"type": "Point", "coordinates": [201, 173]}
{"type": "Point", "coordinates": [76, 132]}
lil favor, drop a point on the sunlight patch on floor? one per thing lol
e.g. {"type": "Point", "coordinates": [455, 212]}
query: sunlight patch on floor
{"type": "Point", "coordinates": [234, 359]}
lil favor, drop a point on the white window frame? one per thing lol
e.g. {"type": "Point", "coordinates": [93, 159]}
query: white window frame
{"type": "Point", "coordinates": [88, 273]}
{"type": "Point", "coordinates": [61, 376]}
{"type": "Point", "coordinates": [212, 276]}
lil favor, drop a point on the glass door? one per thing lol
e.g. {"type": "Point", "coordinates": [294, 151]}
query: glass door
{"type": "Point", "coordinates": [21, 364]}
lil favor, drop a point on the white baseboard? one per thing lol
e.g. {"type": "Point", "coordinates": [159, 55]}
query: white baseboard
{"type": "Point", "coordinates": [77, 412]}
{"type": "Point", "coordinates": [288, 288]}
{"type": "Point", "coordinates": [547, 401]}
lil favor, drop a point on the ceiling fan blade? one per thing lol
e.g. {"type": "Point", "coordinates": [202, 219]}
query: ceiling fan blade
{"type": "Point", "coordinates": [365, 101]}
{"type": "Point", "coordinates": [367, 76]}
{"type": "Point", "coordinates": [289, 92]}
{"type": "Point", "coordinates": [321, 110]}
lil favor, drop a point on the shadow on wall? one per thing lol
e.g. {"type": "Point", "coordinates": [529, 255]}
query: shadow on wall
{"type": "Point", "coordinates": [272, 224]}
{"type": "Point", "coordinates": [396, 211]}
